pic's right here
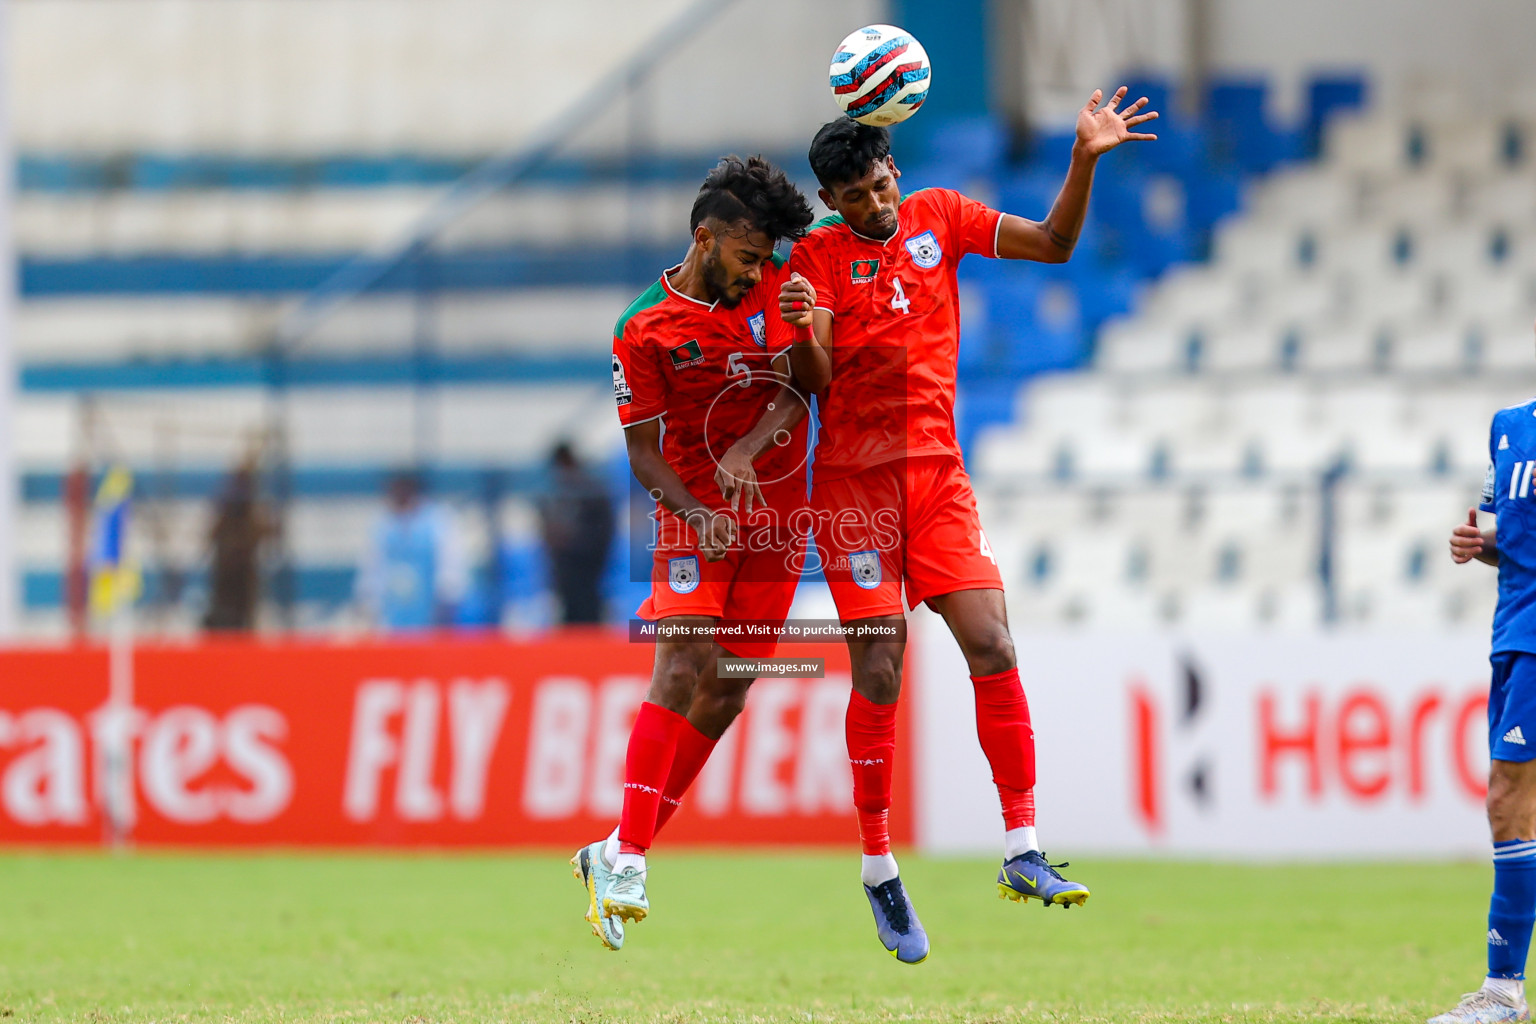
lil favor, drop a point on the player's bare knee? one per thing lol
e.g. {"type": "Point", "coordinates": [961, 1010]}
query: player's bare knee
{"type": "Point", "coordinates": [1511, 801]}
{"type": "Point", "coordinates": [717, 703]}
{"type": "Point", "coordinates": [677, 672]}
{"type": "Point", "coordinates": [990, 651]}
{"type": "Point", "coordinates": [877, 673]}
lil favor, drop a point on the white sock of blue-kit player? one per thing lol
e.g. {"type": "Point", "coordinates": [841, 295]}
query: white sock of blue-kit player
{"type": "Point", "coordinates": [1019, 841]}
{"type": "Point", "coordinates": [877, 869]}
{"type": "Point", "coordinates": [1508, 990]}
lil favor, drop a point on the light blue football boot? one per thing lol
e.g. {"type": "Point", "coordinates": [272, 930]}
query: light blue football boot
{"type": "Point", "coordinates": [594, 876]}
{"type": "Point", "coordinates": [625, 898]}
{"type": "Point", "coordinates": [901, 933]}
{"type": "Point", "coordinates": [1482, 1007]}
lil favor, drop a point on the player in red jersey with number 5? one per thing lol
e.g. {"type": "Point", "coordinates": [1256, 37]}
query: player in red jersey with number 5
{"type": "Point", "coordinates": [704, 350]}
{"type": "Point", "coordinates": [893, 504]}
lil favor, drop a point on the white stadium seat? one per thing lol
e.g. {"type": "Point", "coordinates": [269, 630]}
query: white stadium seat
{"type": "Point", "coordinates": [1242, 348]}
{"type": "Point", "coordinates": [1432, 348]}
{"type": "Point", "coordinates": [1133, 347]}
{"type": "Point", "coordinates": [1368, 142]}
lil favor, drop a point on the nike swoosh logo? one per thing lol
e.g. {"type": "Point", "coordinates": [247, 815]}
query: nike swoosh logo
{"type": "Point", "coordinates": [1021, 876]}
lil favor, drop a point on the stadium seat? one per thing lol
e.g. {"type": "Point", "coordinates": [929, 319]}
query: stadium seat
{"type": "Point", "coordinates": [1372, 142]}
{"type": "Point", "coordinates": [1433, 348]}
{"type": "Point", "coordinates": [1130, 346]}
{"type": "Point", "coordinates": [1339, 350]}
{"type": "Point", "coordinates": [1308, 195]}
{"type": "Point", "coordinates": [515, 425]}
{"type": "Point", "coordinates": [1241, 349]}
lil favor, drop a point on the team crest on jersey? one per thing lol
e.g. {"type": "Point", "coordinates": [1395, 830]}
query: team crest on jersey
{"type": "Point", "coordinates": [683, 574]}
{"type": "Point", "coordinates": [687, 355]}
{"type": "Point", "coordinates": [863, 271]}
{"type": "Point", "coordinates": [621, 392]}
{"type": "Point", "coordinates": [759, 324]}
{"type": "Point", "coordinates": [925, 250]}
{"type": "Point", "coordinates": [865, 566]}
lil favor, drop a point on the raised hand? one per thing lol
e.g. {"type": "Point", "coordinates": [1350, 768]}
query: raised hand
{"type": "Point", "coordinates": [1101, 129]}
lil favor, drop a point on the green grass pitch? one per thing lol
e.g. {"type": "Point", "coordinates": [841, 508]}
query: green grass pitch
{"type": "Point", "coordinates": [732, 937]}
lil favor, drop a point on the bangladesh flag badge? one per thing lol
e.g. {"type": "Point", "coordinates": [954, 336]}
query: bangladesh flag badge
{"type": "Point", "coordinates": [686, 355]}
{"type": "Point", "coordinates": [863, 271]}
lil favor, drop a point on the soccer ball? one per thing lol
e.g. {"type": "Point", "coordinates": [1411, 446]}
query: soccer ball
{"type": "Point", "coordinates": [880, 75]}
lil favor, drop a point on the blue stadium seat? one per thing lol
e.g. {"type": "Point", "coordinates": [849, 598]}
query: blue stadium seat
{"type": "Point", "coordinates": [1326, 95]}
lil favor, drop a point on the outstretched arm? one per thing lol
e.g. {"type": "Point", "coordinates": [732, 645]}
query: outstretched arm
{"type": "Point", "coordinates": [1099, 130]}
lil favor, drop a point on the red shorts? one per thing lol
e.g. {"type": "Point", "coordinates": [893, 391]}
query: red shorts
{"type": "Point", "coordinates": [910, 521]}
{"type": "Point", "coordinates": [754, 583]}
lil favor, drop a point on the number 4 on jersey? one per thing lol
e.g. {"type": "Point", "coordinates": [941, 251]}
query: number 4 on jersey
{"type": "Point", "coordinates": [900, 301]}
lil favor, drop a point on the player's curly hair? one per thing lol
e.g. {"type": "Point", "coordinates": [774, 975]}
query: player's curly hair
{"type": "Point", "coordinates": [755, 191]}
{"type": "Point", "coordinates": [844, 150]}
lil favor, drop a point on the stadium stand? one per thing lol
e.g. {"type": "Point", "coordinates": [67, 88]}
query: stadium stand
{"type": "Point", "coordinates": [1360, 314]}
{"type": "Point", "coordinates": [1290, 430]}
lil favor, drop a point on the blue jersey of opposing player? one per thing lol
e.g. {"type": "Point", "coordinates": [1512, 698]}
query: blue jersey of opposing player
{"type": "Point", "coordinates": [1508, 492]}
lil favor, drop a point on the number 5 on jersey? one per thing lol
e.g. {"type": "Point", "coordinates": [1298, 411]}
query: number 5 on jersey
{"type": "Point", "coordinates": [736, 366]}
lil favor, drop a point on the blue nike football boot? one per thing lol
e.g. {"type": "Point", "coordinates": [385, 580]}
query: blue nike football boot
{"type": "Point", "coordinates": [901, 933]}
{"type": "Point", "coordinates": [1028, 877]}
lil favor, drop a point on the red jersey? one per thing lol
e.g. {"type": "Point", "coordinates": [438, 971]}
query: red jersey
{"type": "Point", "coordinates": [895, 330]}
{"type": "Point", "coordinates": [708, 371]}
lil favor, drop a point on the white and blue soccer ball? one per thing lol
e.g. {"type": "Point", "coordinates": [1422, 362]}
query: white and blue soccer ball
{"type": "Point", "coordinates": [880, 75]}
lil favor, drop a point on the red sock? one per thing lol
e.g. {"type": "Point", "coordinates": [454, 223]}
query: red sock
{"type": "Point", "coordinates": [1018, 806]}
{"type": "Point", "coordinates": [871, 732]}
{"type": "Point", "coordinates": [693, 749]}
{"type": "Point", "coordinates": [652, 744]}
{"type": "Point", "coordinates": [1008, 740]}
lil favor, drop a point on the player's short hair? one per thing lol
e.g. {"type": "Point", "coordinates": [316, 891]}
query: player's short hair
{"type": "Point", "coordinates": [755, 191]}
{"type": "Point", "coordinates": [844, 150]}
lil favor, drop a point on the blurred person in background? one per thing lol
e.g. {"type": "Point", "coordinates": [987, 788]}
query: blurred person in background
{"type": "Point", "coordinates": [576, 517]}
{"type": "Point", "coordinates": [240, 525]}
{"type": "Point", "coordinates": [413, 574]}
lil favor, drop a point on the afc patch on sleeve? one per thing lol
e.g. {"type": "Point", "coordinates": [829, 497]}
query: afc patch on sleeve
{"type": "Point", "coordinates": [1489, 482]}
{"type": "Point", "coordinates": [622, 395]}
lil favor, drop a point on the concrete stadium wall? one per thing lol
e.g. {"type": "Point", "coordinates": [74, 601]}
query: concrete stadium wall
{"type": "Point", "coordinates": [456, 76]}
{"type": "Point", "coordinates": [1406, 47]}
{"type": "Point", "coordinates": [1481, 48]}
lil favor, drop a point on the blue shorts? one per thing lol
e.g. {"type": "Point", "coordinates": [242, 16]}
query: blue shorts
{"type": "Point", "coordinates": [1512, 707]}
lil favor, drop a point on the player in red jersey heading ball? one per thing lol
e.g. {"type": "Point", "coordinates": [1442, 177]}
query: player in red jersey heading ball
{"type": "Point", "coordinates": [704, 349]}
{"type": "Point", "coordinates": [882, 359]}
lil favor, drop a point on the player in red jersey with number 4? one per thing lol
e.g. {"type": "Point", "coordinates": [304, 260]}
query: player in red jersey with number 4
{"type": "Point", "coordinates": [893, 504]}
{"type": "Point", "coordinates": [704, 349]}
